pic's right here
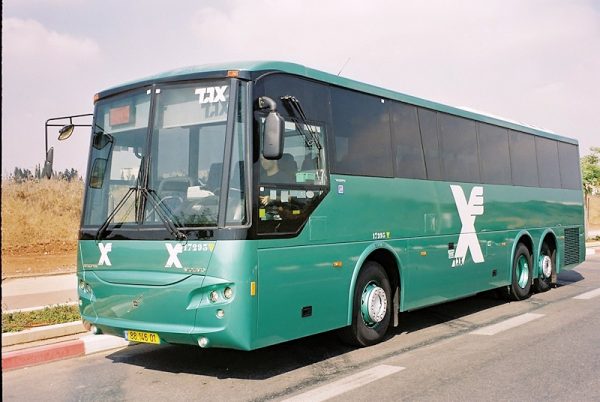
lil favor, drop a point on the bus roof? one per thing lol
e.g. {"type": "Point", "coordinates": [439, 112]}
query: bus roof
{"type": "Point", "coordinates": [254, 68]}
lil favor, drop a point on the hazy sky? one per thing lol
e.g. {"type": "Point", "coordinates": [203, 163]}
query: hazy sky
{"type": "Point", "coordinates": [535, 61]}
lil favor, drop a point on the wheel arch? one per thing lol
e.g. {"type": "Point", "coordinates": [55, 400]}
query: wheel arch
{"type": "Point", "coordinates": [386, 256]}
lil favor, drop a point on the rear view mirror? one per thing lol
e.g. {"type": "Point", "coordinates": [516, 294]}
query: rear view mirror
{"type": "Point", "coordinates": [273, 130]}
{"type": "Point", "coordinates": [98, 171]}
{"type": "Point", "coordinates": [273, 136]}
{"type": "Point", "coordinates": [101, 140]}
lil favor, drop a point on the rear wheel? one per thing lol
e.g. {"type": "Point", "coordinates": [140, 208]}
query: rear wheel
{"type": "Point", "coordinates": [522, 270]}
{"type": "Point", "coordinates": [372, 307]}
{"type": "Point", "coordinates": [547, 267]}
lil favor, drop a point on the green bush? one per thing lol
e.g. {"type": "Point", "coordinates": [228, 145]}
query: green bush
{"type": "Point", "coordinates": [18, 321]}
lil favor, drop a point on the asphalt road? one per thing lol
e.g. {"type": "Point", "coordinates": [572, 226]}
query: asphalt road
{"type": "Point", "coordinates": [480, 348]}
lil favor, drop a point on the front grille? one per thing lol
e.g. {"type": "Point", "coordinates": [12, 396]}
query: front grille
{"type": "Point", "coordinates": [571, 246]}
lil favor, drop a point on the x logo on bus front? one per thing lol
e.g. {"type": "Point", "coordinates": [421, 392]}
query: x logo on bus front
{"type": "Point", "coordinates": [104, 250]}
{"type": "Point", "coordinates": [173, 255]}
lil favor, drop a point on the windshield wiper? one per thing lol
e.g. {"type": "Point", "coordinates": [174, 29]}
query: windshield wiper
{"type": "Point", "coordinates": [134, 189]}
{"type": "Point", "coordinates": [164, 213]}
{"type": "Point", "coordinates": [295, 108]}
{"type": "Point", "coordinates": [114, 212]}
{"type": "Point", "coordinates": [143, 193]}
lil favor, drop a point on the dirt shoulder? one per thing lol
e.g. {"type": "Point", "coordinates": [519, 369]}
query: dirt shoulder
{"type": "Point", "coordinates": [18, 266]}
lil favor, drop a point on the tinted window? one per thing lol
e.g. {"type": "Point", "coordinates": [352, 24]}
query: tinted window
{"type": "Point", "coordinates": [494, 155]}
{"type": "Point", "coordinates": [522, 159]}
{"type": "Point", "coordinates": [314, 97]}
{"type": "Point", "coordinates": [362, 134]}
{"type": "Point", "coordinates": [547, 161]}
{"type": "Point", "coordinates": [406, 139]}
{"type": "Point", "coordinates": [458, 139]}
{"type": "Point", "coordinates": [428, 126]}
{"type": "Point", "coordinates": [568, 157]}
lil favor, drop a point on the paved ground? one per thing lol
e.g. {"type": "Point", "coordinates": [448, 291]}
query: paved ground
{"type": "Point", "coordinates": [480, 348]}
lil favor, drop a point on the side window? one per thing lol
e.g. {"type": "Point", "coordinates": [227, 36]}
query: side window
{"type": "Point", "coordinates": [547, 161]}
{"type": "Point", "coordinates": [362, 134]}
{"type": "Point", "coordinates": [568, 157]}
{"type": "Point", "coordinates": [290, 188]}
{"type": "Point", "coordinates": [458, 138]}
{"type": "Point", "coordinates": [406, 140]}
{"type": "Point", "coordinates": [302, 160]}
{"type": "Point", "coordinates": [523, 159]}
{"type": "Point", "coordinates": [494, 154]}
{"type": "Point", "coordinates": [431, 148]}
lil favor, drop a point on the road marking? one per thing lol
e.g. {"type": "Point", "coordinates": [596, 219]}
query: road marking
{"type": "Point", "coordinates": [588, 295]}
{"type": "Point", "coordinates": [345, 384]}
{"type": "Point", "coordinates": [507, 324]}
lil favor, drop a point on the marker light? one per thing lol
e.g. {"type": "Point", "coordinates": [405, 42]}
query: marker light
{"type": "Point", "coordinates": [214, 296]}
{"type": "Point", "coordinates": [228, 293]}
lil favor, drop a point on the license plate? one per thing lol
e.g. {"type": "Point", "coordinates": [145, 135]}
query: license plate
{"type": "Point", "coordinates": [144, 337]}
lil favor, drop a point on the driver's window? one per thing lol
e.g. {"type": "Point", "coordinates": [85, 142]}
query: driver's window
{"type": "Point", "coordinates": [290, 187]}
{"type": "Point", "coordinates": [302, 160]}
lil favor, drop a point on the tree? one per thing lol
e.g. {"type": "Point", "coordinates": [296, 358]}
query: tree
{"type": "Point", "coordinates": [590, 172]}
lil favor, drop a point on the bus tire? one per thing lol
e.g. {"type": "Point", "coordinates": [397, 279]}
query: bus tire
{"type": "Point", "coordinates": [522, 271]}
{"type": "Point", "coordinates": [547, 268]}
{"type": "Point", "coordinates": [371, 309]}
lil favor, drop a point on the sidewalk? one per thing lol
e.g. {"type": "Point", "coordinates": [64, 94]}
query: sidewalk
{"type": "Point", "coordinates": [37, 291]}
{"type": "Point", "coordinates": [50, 343]}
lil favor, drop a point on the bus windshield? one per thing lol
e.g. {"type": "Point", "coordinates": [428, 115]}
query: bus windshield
{"type": "Point", "coordinates": [168, 143]}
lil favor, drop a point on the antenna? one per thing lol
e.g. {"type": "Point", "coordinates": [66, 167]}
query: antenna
{"type": "Point", "coordinates": [343, 66]}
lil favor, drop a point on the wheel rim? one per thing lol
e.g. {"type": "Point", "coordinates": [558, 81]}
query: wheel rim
{"type": "Point", "coordinates": [373, 304]}
{"type": "Point", "coordinates": [522, 271]}
{"type": "Point", "coordinates": [546, 266]}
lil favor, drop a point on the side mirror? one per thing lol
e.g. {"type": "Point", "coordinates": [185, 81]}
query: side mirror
{"type": "Point", "coordinates": [98, 171]}
{"type": "Point", "coordinates": [273, 130]}
{"type": "Point", "coordinates": [47, 170]}
{"type": "Point", "coordinates": [101, 140]}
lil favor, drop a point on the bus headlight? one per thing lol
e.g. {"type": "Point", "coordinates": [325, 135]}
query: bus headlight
{"type": "Point", "coordinates": [228, 293]}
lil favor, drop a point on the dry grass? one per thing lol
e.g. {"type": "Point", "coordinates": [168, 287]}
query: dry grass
{"type": "Point", "coordinates": [40, 217]}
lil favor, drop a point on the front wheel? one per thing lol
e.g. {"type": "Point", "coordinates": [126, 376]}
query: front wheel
{"type": "Point", "coordinates": [372, 307]}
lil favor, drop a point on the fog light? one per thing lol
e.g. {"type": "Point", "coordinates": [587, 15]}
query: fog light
{"type": "Point", "coordinates": [95, 330]}
{"type": "Point", "coordinates": [228, 293]}
{"type": "Point", "coordinates": [81, 285]}
{"type": "Point", "coordinates": [220, 313]}
{"type": "Point", "coordinates": [203, 342]}
{"type": "Point", "coordinates": [214, 296]}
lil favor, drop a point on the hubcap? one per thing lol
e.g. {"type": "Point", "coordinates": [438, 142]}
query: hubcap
{"type": "Point", "coordinates": [522, 272]}
{"type": "Point", "coordinates": [546, 266]}
{"type": "Point", "coordinates": [373, 304]}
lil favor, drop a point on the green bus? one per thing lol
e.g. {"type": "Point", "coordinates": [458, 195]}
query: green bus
{"type": "Point", "coordinates": [247, 204]}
